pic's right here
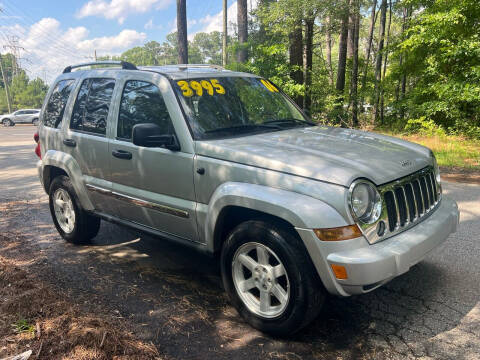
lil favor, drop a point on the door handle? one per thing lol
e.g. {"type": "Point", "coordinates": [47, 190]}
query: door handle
{"type": "Point", "coordinates": [122, 154]}
{"type": "Point", "coordinates": [70, 142]}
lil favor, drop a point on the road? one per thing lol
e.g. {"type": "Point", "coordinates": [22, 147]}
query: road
{"type": "Point", "coordinates": [173, 297]}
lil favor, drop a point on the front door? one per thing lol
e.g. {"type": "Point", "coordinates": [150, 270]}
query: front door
{"type": "Point", "coordinates": [151, 186]}
{"type": "Point", "coordinates": [20, 116]}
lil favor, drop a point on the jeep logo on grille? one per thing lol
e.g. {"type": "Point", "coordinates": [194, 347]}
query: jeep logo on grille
{"type": "Point", "coordinates": [406, 163]}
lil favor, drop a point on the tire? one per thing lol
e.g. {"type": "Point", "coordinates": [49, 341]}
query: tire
{"type": "Point", "coordinates": [7, 122]}
{"type": "Point", "coordinates": [303, 293]}
{"type": "Point", "coordinates": [35, 122]}
{"type": "Point", "coordinates": [72, 222]}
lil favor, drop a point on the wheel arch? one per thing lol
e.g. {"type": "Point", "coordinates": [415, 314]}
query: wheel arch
{"type": "Point", "coordinates": [55, 163]}
{"type": "Point", "coordinates": [233, 215]}
{"type": "Point", "coordinates": [233, 203]}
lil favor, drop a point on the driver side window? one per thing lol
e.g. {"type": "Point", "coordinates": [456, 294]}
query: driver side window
{"type": "Point", "coordinates": [142, 103]}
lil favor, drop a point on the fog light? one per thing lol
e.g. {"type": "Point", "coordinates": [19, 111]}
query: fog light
{"type": "Point", "coordinates": [339, 271]}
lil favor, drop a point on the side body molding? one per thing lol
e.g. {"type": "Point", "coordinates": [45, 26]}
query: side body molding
{"type": "Point", "coordinates": [299, 210]}
{"type": "Point", "coordinates": [67, 163]}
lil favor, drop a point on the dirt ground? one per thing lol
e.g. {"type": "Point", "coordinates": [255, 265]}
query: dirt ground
{"type": "Point", "coordinates": [40, 317]}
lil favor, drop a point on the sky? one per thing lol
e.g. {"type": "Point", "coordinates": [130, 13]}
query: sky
{"type": "Point", "coordinates": [52, 34]}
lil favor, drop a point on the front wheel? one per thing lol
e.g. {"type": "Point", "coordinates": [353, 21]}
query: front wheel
{"type": "Point", "coordinates": [72, 222]}
{"type": "Point", "coordinates": [270, 279]}
{"type": "Point", "coordinates": [7, 122]}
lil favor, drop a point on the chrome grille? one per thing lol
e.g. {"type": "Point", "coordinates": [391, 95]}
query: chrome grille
{"type": "Point", "coordinates": [409, 199]}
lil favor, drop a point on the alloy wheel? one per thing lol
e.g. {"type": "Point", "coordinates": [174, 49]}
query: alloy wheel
{"type": "Point", "coordinates": [261, 280]}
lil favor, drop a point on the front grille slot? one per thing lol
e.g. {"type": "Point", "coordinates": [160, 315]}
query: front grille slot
{"type": "Point", "coordinates": [418, 197]}
{"type": "Point", "coordinates": [412, 212]}
{"type": "Point", "coordinates": [409, 199]}
{"type": "Point", "coordinates": [426, 196]}
{"type": "Point", "coordinates": [391, 210]}
{"type": "Point", "coordinates": [402, 205]}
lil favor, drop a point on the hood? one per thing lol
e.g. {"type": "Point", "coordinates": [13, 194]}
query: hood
{"type": "Point", "coordinates": [329, 154]}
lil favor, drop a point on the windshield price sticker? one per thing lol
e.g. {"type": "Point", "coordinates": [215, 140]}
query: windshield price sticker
{"type": "Point", "coordinates": [269, 85]}
{"type": "Point", "coordinates": [200, 87]}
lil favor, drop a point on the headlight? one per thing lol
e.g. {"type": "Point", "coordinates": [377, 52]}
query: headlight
{"type": "Point", "coordinates": [365, 202]}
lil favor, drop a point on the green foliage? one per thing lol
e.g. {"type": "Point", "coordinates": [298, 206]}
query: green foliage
{"type": "Point", "coordinates": [443, 48]}
{"type": "Point", "coordinates": [24, 93]}
{"type": "Point", "coordinates": [425, 127]}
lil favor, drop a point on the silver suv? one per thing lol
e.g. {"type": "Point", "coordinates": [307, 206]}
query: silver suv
{"type": "Point", "coordinates": [24, 116]}
{"type": "Point", "coordinates": [226, 163]}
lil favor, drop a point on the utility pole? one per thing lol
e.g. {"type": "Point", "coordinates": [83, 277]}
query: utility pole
{"type": "Point", "coordinates": [225, 34]}
{"type": "Point", "coordinates": [6, 85]}
{"type": "Point", "coordinates": [182, 32]}
{"type": "Point", "coordinates": [95, 55]}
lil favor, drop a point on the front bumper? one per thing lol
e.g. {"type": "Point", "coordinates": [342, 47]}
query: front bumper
{"type": "Point", "coordinates": [370, 266]}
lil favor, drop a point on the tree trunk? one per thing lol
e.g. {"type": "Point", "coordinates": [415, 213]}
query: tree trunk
{"type": "Point", "coordinates": [342, 52]}
{"type": "Point", "coordinates": [400, 60]}
{"type": "Point", "coordinates": [309, 24]}
{"type": "Point", "coordinates": [329, 50]}
{"type": "Point", "coordinates": [182, 32]}
{"type": "Point", "coordinates": [354, 82]}
{"type": "Point", "coordinates": [369, 46]}
{"type": "Point", "coordinates": [296, 57]}
{"type": "Point", "coordinates": [382, 118]}
{"type": "Point", "coordinates": [351, 33]}
{"type": "Point", "coordinates": [242, 21]}
{"type": "Point", "coordinates": [378, 65]}
{"type": "Point", "coordinates": [342, 63]}
{"type": "Point", "coordinates": [404, 76]}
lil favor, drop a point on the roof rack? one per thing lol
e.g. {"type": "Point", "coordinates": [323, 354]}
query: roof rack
{"type": "Point", "coordinates": [211, 66]}
{"type": "Point", "coordinates": [125, 65]}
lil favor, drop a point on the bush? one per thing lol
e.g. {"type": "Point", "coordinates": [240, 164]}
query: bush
{"type": "Point", "coordinates": [425, 127]}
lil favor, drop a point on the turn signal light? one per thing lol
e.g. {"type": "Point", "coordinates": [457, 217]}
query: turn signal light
{"type": "Point", "coordinates": [338, 233]}
{"type": "Point", "coordinates": [339, 271]}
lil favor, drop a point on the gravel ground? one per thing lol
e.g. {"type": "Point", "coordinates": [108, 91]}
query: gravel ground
{"type": "Point", "coordinates": [172, 296]}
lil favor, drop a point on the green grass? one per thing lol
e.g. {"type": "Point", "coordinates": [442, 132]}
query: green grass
{"type": "Point", "coordinates": [450, 151]}
{"type": "Point", "coordinates": [22, 326]}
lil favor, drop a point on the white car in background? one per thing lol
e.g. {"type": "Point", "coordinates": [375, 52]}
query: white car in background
{"type": "Point", "coordinates": [23, 116]}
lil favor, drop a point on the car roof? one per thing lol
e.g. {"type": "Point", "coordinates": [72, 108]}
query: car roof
{"type": "Point", "coordinates": [174, 72]}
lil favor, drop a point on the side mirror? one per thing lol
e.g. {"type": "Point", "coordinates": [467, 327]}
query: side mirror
{"type": "Point", "coordinates": [151, 135]}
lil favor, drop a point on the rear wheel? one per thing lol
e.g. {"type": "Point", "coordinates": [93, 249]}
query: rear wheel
{"type": "Point", "coordinates": [35, 122]}
{"type": "Point", "coordinates": [72, 222]}
{"type": "Point", "coordinates": [270, 279]}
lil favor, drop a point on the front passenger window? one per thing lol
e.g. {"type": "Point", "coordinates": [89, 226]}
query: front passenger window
{"type": "Point", "coordinates": [141, 103]}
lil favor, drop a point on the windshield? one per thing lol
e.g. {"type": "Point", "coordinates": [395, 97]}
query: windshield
{"type": "Point", "coordinates": [235, 106]}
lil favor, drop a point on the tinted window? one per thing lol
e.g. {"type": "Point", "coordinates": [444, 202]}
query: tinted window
{"type": "Point", "coordinates": [142, 102]}
{"type": "Point", "coordinates": [91, 108]}
{"type": "Point", "coordinates": [56, 104]}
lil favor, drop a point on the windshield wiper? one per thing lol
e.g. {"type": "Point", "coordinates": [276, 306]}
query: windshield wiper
{"type": "Point", "coordinates": [291, 121]}
{"type": "Point", "coordinates": [243, 127]}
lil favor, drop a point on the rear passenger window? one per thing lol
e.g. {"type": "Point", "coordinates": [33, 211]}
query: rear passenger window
{"type": "Point", "coordinates": [56, 104]}
{"type": "Point", "coordinates": [91, 107]}
{"type": "Point", "coordinates": [141, 103]}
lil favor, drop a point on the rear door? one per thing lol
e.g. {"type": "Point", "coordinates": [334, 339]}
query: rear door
{"type": "Point", "coordinates": [53, 114]}
{"type": "Point", "coordinates": [151, 186]}
{"type": "Point", "coordinates": [85, 137]}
